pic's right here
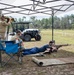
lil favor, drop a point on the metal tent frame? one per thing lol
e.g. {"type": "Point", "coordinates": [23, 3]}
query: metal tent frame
{"type": "Point", "coordinates": [39, 6]}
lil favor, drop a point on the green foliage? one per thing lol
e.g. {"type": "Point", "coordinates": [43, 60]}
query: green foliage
{"type": "Point", "coordinates": [66, 22]}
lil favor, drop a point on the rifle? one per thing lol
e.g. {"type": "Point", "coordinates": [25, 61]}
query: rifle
{"type": "Point", "coordinates": [58, 46]}
{"type": "Point", "coordinates": [55, 50]}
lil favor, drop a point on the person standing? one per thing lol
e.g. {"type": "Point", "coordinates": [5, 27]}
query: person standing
{"type": "Point", "coordinates": [3, 25]}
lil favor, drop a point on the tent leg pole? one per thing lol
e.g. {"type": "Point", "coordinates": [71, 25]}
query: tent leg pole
{"type": "Point", "coordinates": [52, 25]}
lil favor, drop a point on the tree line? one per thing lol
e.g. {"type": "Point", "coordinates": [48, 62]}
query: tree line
{"type": "Point", "coordinates": [66, 22]}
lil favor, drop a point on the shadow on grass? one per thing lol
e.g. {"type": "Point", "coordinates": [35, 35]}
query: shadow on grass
{"type": "Point", "coordinates": [27, 60]}
{"type": "Point", "coordinates": [29, 68]}
{"type": "Point", "coordinates": [60, 54]}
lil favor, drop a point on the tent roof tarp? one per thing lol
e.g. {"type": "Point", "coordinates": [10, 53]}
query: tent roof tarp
{"type": "Point", "coordinates": [31, 7]}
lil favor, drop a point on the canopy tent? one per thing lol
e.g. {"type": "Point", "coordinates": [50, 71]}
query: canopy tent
{"type": "Point", "coordinates": [32, 7]}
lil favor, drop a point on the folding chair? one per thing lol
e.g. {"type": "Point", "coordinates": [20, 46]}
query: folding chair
{"type": "Point", "coordinates": [11, 49]}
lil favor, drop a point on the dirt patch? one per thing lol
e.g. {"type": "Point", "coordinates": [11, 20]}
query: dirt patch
{"type": "Point", "coordinates": [30, 68]}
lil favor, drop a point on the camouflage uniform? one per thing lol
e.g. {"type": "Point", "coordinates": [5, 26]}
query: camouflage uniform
{"type": "Point", "coordinates": [3, 25]}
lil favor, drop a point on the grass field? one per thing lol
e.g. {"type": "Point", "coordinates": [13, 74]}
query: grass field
{"type": "Point", "coordinates": [30, 68]}
{"type": "Point", "coordinates": [60, 37]}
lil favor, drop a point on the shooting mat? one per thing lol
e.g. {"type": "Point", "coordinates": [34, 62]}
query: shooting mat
{"type": "Point", "coordinates": [57, 61]}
